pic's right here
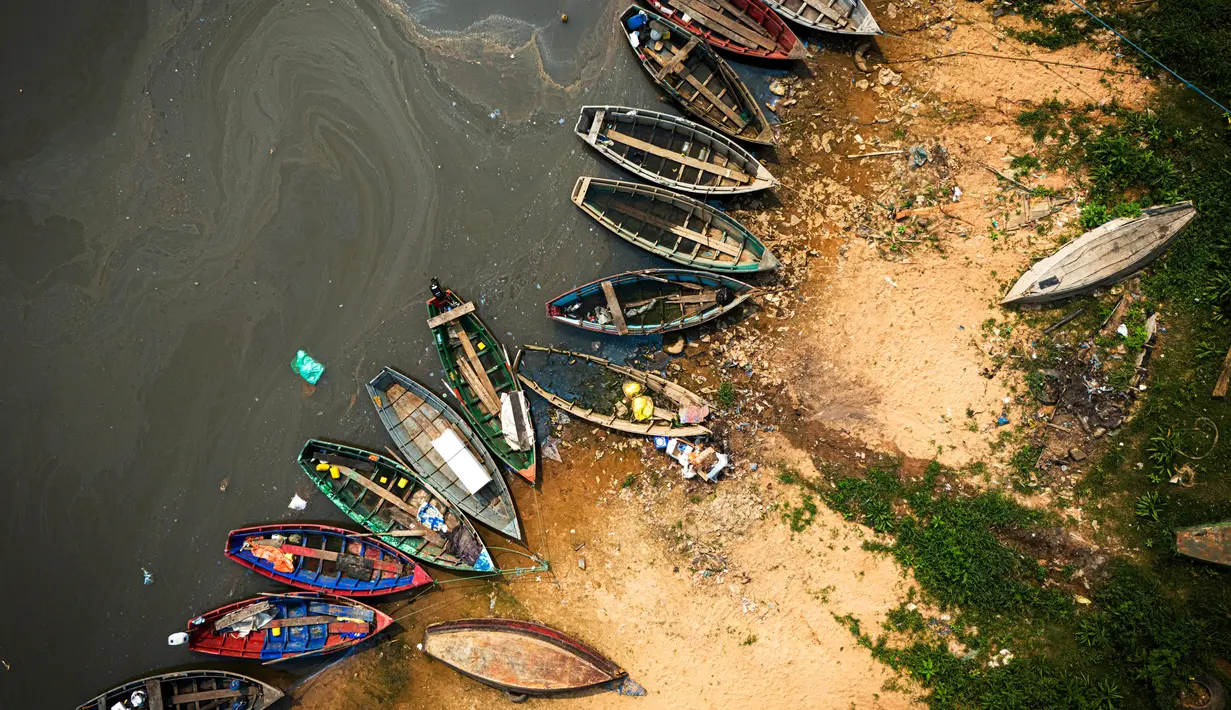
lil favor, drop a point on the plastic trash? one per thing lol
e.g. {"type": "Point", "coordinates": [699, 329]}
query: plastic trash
{"type": "Point", "coordinates": [1004, 419]}
{"type": "Point", "coordinates": [307, 368]}
{"type": "Point", "coordinates": [146, 577]}
{"type": "Point", "coordinates": [137, 699]}
{"type": "Point", "coordinates": [660, 443]}
{"type": "Point", "coordinates": [431, 517]}
{"type": "Point", "coordinates": [643, 408]}
{"type": "Point", "coordinates": [178, 638]}
{"type": "Point", "coordinates": [631, 389]}
{"type": "Point", "coordinates": [637, 21]}
{"type": "Point", "coordinates": [1122, 330]}
{"type": "Point", "coordinates": [918, 156]}
{"type": "Point", "coordinates": [720, 463]}
{"type": "Point", "coordinates": [297, 503]}
{"type": "Point", "coordinates": [551, 449]}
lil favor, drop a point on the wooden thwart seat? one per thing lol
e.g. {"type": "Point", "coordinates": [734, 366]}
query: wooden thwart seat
{"type": "Point", "coordinates": [613, 303]}
{"type": "Point", "coordinates": [677, 157]}
{"type": "Point", "coordinates": [705, 240]}
{"type": "Point", "coordinates": [451, 315]}
{"type": "Point", "coordinates": [710, 14]}
{"type": "Point", "coordinates": [677, 58]}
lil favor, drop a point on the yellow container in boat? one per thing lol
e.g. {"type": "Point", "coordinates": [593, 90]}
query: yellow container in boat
{"type": "Point", "coordinates": [384, 480]}
{"type": "Point", "coordinates": [334, 472]}
{"type": "Point", "coordinates": [322, 466]}
{"type": "Point", "coordinates": [277, 630]}
{"type": "Point", "coordinates": [402, 482]}
{"type": "Point", "coordinates": [631, 389]}
{"type": "Point", "coordinates": [643, 408]}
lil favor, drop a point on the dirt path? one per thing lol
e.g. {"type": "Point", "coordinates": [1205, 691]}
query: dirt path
{"type": "Point", "coordinates": [702, 592]}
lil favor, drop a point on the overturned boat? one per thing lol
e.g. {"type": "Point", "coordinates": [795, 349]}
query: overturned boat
{"type": "Point", "coordinates": [1102, 256]}
{"type": "Point", "coordinates": [1211, 543]}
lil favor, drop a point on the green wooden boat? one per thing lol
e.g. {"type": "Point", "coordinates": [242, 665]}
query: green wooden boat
{"type": "Point", "coordinates": [386, 497]}
{"type": "Point", "coordinates": [673, 226]}
{"type": "Point", "coordinates": [1211, 542]}
{"type": "Point", "coordinates": [478, 373]}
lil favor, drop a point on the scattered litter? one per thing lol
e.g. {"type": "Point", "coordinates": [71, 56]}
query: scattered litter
{"type": "Point", "coordinates": [551, 449]}
{"type": "Point", "coordinates": [957, 193]}
{"type": "Point", "coordinates": [626, 686]}
{"type": "Point", "coordinates": [307, 368]}
{"type": "Point", "coordinates": [777, 88]}
{"type": "Point", "coordinates": [890, 282]}
{"type": "Point", "coordinates": [918, 156]}
{"type": "Point", "coordinates": [146, 577]}
{"type": "Point", "coordinates": [297, 503]}
{"type": "Point", "coordinates": [494, 114]}
{"type": "Point", "coordinates": [1122, 330]}
{"type": "Point", "coordinates": [581, 563]}
{"type": "Point", "coordinates": [1003, 420]}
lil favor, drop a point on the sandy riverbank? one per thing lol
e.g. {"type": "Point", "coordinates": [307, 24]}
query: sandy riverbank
{"type": "Point", "coordinates": [878, 344]}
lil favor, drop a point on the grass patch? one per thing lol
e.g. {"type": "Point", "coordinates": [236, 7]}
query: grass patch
{"type": "Point", "coordinates": [725, 394]}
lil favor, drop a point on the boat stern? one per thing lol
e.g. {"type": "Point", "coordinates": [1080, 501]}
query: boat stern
{"type": "Point", "coordinates": [420, 578]}
{"type": "Point", "coordinates": [530, 474]}
{"type": "Point", "coordinates": [769, 262]}
{"type": "Point", "coordinates": [799, 51]}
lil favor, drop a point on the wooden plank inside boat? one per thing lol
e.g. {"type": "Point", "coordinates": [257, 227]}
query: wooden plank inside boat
{"type": "Point", "coordinates": [596, 124]}
{"type": "Point", "coordinates": [202, 696]}
{"type": "Point", "coordinates": [153, 688]}
{"type": "Point", "coordinates": [485, 390]}
{"type": "Point", "coordinates": [827, 10]}
{"type": "Point", "coordinates": [717, 244]}
{"type": "Point", "coordinates": [677, 58]}
{"type": "Point", "coordinates": [430, 535]}
{"type": "Point", "coordinates": [613, 303]}
{"type": "Point", "coordinates": [711, 17]}
{"type": "Point", "coordinates": [688, 160]}
{"type": "Point", "coordinates": [450, 315]}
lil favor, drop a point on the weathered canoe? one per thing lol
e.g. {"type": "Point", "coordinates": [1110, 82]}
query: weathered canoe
{"type": "Point", "coordinates": [518, 657]}
{"type": "Point", "coordinates": [672, 151]}
{"type": "Point", "coordinates": [1211, 543]}
{"type": "Point", "coordinates": [480, 377]}
{"type": "Point", "coordinates": [190, 690]}
{"type": "Point", "coordinates": [745, 27]}
{"type": "Point", "coordinates": [847, 17]}
{"type": "Point", "coordinates": [689, 71]}
{"type": "Point", "coordinates": [386, 497]}
{"type": "Point", "coordinates": [426, 431]}
{"type": "Point", "coordinates": [1102, 256]}
{"type": "Point", "coordinates": [322, 558]}
{"type": "Point", "coordinates": [686, 231]}
{"type": "Point", "coordinates": [659, 426]}
{"type": "Point", "coordinates": [649, 301]}
{"type": "Point", "coordinates": [279, 627]}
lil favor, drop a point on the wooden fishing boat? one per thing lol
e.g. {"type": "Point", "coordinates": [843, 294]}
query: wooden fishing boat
{"type": "Point", "coordinates": [518, 657]}
{"type": "Point", "coordinates": [687, 69]}
{"type": "Point", "coordinates": [279, 627]}
{"type": "Point", "coordinates": [387, 498]}
{"type": "Point", "coordinates": [648, 302]}
{"type": "Point", "coordinates": [437, 443]}
{"type": "Point", "coordinates": [689, 406]}
{"type": "Point", "coordinates": [745, 27]}
{"type": "Point", "coordinates": [675, 227]}
{"type": "Point", "coordinates": [322, 558]}
{"type": "Point", "coordinates": [1102, 256]}
{"type": "Point", "coordinates": [480, 378]}
{"type": "Point", "coordinates": [1211, 543]}
{"type": "Point", "coordinates": [190, 690]}
{"type": "Point", "coordinates": [846, 17]}
{"type": "Point", "coordinates": [671, 151]}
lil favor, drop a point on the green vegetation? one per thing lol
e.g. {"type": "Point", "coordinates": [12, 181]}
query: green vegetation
{"type": "Point", "coordinates": [725, 394]}
{"type": "Point", "coordinates": [1026, 643]}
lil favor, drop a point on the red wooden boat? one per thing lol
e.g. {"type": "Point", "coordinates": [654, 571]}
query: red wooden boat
{"type": "Point", "coordinates": [277, 627]}
{"type": "Point", "coordinates": [518, 657]}
{"type": "Point", "coordinates": [322, 558]}
{"type": "Point", "coordinates": [746, 27]}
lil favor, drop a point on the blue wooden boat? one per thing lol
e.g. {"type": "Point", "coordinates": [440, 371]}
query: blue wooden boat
{"type": "Point", "coordinates": [322, 558]}
{"type": "Point", "coordinates": [649, 301]}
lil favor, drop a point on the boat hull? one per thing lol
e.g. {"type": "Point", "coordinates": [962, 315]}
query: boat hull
{"type": "Point", "coordinates": [579, 307]}
{"type": "Point", "coordinates": [342, 624]}
{"type": "Point", "coordinates": [786, 45]}
{"type": "Point", "coordinates": [1102, 256]}
{"type": "Point", "coordinates": [187, 690]}
{"type": "Point", "coordinates": [414, 417]}
{"type": "Point", "coordinates": [518, 657]}
{"type": "Point", "coordinates": [703, 83]}
{"type": "Point", "coordinates": [662, 222]}
{"type": "Point", "coordinates": [315, 574]}
{"type": "Point", "coordinates": [671, 151]}
{"type": "Point", "coordinates": [808, 13]}
{"type": "Point", "coordinates": [458, 548]}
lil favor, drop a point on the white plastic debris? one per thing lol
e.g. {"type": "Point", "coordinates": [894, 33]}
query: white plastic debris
{"type": "Point", "coordinates": [1122, 330]}
{"type": "Point", "coordinates": [297, 503]}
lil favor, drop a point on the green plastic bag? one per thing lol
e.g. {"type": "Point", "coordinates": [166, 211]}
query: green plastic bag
{"type": "Point", "coordinates": [307, 368]}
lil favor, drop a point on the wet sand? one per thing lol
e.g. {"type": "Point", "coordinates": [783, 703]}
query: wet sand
{"type": "Point", "coordinates": [189, 192]}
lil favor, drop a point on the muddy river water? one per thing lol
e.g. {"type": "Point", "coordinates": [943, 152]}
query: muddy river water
{"type": "Point", "coordinates": [191, 191]}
